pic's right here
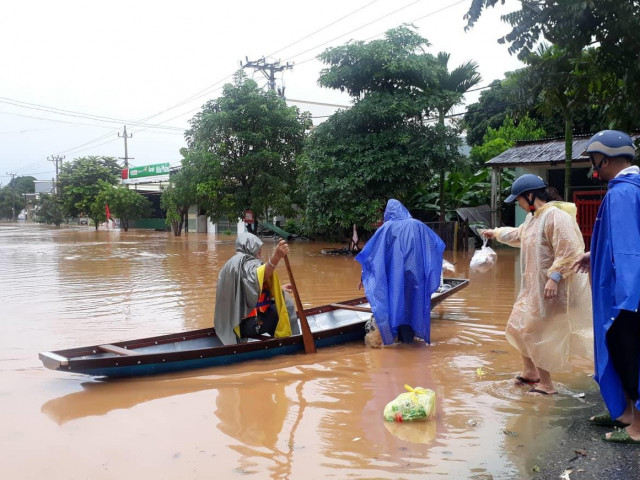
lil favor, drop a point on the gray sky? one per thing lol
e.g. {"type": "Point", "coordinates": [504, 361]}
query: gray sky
{"type": "Point", "coordinates": [75, 72]}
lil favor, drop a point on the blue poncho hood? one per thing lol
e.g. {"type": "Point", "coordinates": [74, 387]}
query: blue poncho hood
{"type": "Point", "coordinates": [401, 268]}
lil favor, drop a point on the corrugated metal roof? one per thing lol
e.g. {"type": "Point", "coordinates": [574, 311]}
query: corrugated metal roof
{"type": "Point", "coordinates": [543, 152]}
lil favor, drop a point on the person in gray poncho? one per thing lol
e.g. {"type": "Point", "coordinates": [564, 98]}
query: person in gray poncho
{"type": "Point", "coordinates": [249, 298]}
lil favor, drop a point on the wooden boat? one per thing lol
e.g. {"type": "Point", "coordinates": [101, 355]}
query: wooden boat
{"type": "Point", "coordinates": [330, 325]}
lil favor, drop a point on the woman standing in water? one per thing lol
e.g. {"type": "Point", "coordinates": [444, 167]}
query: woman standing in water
{"type": "Point", "coordinates": [550, 320]}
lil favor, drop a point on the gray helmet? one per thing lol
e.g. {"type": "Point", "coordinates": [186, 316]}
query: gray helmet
{"type": "Point", "coordinates": [611, 143]}
{"type": "Point", "coordinates": [525, 183]}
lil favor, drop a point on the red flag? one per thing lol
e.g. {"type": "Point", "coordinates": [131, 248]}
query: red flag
{"type": "Point", "coordinates": [106, 208]}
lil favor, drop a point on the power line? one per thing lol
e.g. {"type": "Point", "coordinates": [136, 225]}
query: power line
{"type": "Point", "coordinates": [381, 33]}
{"type": "Point", "coordinates": [323, 28]}
{"type": "Point", "coordinates": [71, 113]}
{"type": "Point", "coordinates": [355, 29]}
{"type": "Point", "coordinates": [322, 104]}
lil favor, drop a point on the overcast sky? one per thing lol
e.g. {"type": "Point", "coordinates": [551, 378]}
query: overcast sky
{"type": "Point", "coordinates": [75, 72]}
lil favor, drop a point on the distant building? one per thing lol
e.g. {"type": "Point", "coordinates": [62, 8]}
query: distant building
{"type": "Point", "coordinates": [44, 186]}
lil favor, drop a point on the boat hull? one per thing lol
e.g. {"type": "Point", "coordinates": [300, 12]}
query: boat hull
{"type": "Point", "coordinates": [330, 325]}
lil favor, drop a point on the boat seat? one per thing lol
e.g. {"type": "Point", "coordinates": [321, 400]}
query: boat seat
{"type": "Point", "coordinates": [118, 350]}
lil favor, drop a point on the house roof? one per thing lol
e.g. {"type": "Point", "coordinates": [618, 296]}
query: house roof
{"type": "Point", "coordinates": [543, 152]}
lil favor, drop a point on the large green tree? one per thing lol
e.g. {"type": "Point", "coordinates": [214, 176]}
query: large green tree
{"type": "Point", "coordinates": [49, 209]}
{"type": "Point", "coordinates": [381, 147]}
{"type": "Point", "coordinates": [123, 203]}
{"type": "Point", "coordinates": [516, 98]}
{"type": "Point", "coordinates": [498, 140]}
{"type": "Point", "coordinates": [79, 184]}
{"type": "Point", "coordinates": [611, 26]}
{"type": "Point", "coordinates": [12, 199]}
{"type": "Point", "coordinates": [181, 192]}
{"type": "Point", "coordinates": [245, 144]}
{"type": "Point", "coordinates": [565, 84]}
{"type": "Point", "coordinates": [452, 85]}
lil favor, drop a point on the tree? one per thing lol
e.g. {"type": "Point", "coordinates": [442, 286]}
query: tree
{"type": "Point", "coordinates": [123, 203]}
{"type": "Point", "coordinates": [245, 143]}
{"type": "Point", "coordinates": [382, 146]}
{"type": "Point", "coordinates": [564, 83]}
{"type": "Point", "coordinates": [451, 88]}
{"type": "Point", "coordinates": [180, 194]}
{"type": "Point", "coordinates": [79, 184]}
{"type": "Point", "coordinates": [498, 140]}
{"type": "Point", "coordinates": [49, 209]}
{"type": "Point", "coordinates": [610, 25]}
{"type": "Point", "coordinates": [12, 196]}
{"type": "Point", "coordinates": [23, 185]}
{"type": "Point", "coordinates": [7, 202]}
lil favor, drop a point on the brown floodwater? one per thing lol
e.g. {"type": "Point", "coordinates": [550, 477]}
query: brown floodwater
{"type": "Point", "coordinates": [292, 417]}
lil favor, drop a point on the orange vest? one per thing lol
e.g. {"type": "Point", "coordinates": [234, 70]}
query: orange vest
{"type": "Point", "coordinates": [264, 300]}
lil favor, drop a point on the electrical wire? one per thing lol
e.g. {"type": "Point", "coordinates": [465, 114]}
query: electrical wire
{"type": "Point", "coordinates": [381, 33]}
{"type": "Point", "coordinates": [354, 30]}
{"type": "Point", "coordinates": [323, 28]}
{"type": "Point", "coordinates": [58, 111]}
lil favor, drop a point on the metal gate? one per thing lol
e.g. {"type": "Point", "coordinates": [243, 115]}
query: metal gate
{"type": "Point", "coordinates": [587, 202]}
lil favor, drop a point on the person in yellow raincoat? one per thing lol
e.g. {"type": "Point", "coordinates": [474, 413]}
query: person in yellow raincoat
{"type": "Point", "coordinates": [250, 301]}
{"type": "Point", "coordinates": [549, 322]}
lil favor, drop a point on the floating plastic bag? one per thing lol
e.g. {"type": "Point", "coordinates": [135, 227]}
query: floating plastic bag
{"type": "Point", "coordinates": [415, 404]}
{"type": "Point", "coordinates": [483, 259]}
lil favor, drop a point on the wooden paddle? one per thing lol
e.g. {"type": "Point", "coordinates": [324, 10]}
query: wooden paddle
{"type": "Point", "coordinates": [307, 337]}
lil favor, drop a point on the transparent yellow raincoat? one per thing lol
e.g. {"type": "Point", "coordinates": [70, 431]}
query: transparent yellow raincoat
{"type": "Point", "coordinates": [550, 331]}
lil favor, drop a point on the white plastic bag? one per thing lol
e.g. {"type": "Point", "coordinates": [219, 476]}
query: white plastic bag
{"type": "Point", "coordinates": [483, 259]}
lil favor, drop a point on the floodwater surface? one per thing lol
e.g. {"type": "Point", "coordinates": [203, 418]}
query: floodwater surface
{"type": "Point", "coordinates": [292, 417]}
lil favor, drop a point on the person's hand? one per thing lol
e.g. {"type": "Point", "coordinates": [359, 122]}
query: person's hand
{"type": "Point", "coordinates": [282, 250]}
{"type": "Point", "coordinates": [490, 234]}
{"type": "Point", "coordinates": [550, 290]}
{"type": "Point", "coordinates": [582, 264]}
{"type": "Point", "coordinates": [287, 287]}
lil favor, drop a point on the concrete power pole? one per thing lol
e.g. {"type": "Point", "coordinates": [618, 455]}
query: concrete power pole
{"type": "Point", "coordinates": [269, 70]}
{"type": "Point", "coordinates": [126, 151]}
{"type": "Point", "coordinates": [13, 195]}
{"type": "Point", "coordinates": [57, 160]}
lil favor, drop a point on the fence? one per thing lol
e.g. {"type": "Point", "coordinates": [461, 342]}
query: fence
{"type": "Point", "coordinates": [587, 202]}
{"type": "Point", "coordinates": [455, 235]}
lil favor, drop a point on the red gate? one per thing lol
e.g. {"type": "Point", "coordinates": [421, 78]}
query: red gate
{"type": "Point", "coordinates": [588, 202]}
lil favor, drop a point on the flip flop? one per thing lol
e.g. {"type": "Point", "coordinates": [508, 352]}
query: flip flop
{"type": "Point", "coordinates": [620, 436]}
{"type": "Point", "coordinates": [525, 381]}
{"type": "Point", "coordinates": [605, 420]}
{"type": "Point", "coordinates": [541, 392]}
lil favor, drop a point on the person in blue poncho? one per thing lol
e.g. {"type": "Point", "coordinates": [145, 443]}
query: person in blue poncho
{"type": "Point", "coordinates": [614, 261]}
{"type": "Point", "coordinates": [401, 267]}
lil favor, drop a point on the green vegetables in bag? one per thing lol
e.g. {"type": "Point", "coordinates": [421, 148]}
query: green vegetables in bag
{"type": "Point", "coordinates": [415, 404]}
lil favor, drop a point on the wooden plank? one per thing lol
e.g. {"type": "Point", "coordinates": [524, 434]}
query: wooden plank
{"type": "Point", "coordinates": [351, 307]}
{"type": "Point", "coordinates": [118, 350]}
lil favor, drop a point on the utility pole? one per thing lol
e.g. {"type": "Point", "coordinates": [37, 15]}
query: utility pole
{"type": "Point", "coordinates": [13, 195]}
{"type": "Point", "coordinates": [126, 152]}
{"type": "Point", "coordinates": [56, 159]}
{"type": "Point", "coordinates": [269, 70]}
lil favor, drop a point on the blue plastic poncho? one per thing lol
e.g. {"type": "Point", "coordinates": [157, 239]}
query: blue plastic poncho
{"type": "Point", "coordinates": [615, 268]}
{"type": "Point", "coordinates": [401, 268]}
